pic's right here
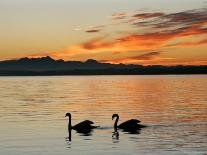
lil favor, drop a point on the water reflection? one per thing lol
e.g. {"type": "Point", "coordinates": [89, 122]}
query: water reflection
{"type": "Point", "coordinates": [86, 136]}
{"type": "Point", "coordinates": [132, 131]}
{"type": "Point", "coordinates": [173, 106]}
{"type": "Point", "coordinates": [68, 141]}
{"type": "Point", "coordinates": [87, 132]}
{"type": "Point", "coordinates": [115, 136]}
{"type": "Point", "coordinates": [70, 134]}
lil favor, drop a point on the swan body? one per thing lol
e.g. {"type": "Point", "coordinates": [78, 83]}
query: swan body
{"type": "Point", "coordinates": [87, 124]}
{"type": "Point", "coordinates": [132, 124]}
{"type": "Point", "coordinates": [82, 127]}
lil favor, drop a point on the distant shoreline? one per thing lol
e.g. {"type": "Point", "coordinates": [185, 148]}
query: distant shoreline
{"type": "Point", "coordinates": [89, 73]}
{"type": "Point", "coordinates": [46, 66]}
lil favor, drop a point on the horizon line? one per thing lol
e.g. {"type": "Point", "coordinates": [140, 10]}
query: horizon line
{"type": "Point", "coordinates": [99, 61]}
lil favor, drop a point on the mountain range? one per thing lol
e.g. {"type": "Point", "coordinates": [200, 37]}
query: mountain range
{"type": "Point", "coordinates": [49, 66]}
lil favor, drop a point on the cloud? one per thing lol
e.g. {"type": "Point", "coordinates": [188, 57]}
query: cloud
{"type": "Point", "coordinates": [167, 28]}
{"type": "Point", "coordinates": [93, 29]}
{"type": "Point", "coordinates": [156, 60]}
{"type": "Point", "coordinates": [144, 16]}
{"type": "Point", "coordinates": [148, 15]}
{"type": "Point", "coordinates": [147, 56]}
{"type": "Point", "coordinates": [77, 29]}
{"type": "Point", "coordinates": [192, 43]}
{"type": "Point", "coordinates": [140, 58]}
{"type": "Point", "coordinates": [134, 42]}
{"type": "Point", "coordinates": [174, 20]}
{"type": "Point", "coordinates": [120, 15]}
{"type": "Point", "coordinates": [187, 17]}
{"type": "Point", "coordinates": [145, 41]}
{"type": "Point", "coordinates": [173, 62]}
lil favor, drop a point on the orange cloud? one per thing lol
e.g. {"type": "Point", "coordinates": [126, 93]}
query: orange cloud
{"type": "Point", "coordinates": [157, 60]}
{"type": "Point", "coordinates": [133, 42]}
{"type": "Point", "coordinates": [147, 58]}
{"type": "Point", "coordinates": [184, 44]}
{"type": "Point", "coordinates": [174, 62]}
{"type": "Point", "coordinates": [166, 28]}
{"type": "Point", "coordinates": [136, 42]}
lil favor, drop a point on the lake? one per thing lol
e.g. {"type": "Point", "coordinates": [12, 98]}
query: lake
{"type": "Point", "coordinates": [174, 107]}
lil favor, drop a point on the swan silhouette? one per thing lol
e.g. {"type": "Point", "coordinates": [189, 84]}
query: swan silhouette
{"type": "Point", "coordinates": [130, 125]}
{"type": "Point", "coordinates": [82, 127]}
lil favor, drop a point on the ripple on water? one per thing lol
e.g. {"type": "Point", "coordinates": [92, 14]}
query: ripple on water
{"type": "Point", "coordinates": [32, 114]}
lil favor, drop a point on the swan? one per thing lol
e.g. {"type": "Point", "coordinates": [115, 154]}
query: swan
{"type": "Point", "coordinates": [130, 125]}
{"type": "Point", "coordinates": [82, 127]}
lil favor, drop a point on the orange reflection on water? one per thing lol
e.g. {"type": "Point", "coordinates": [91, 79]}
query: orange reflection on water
{"type": "Point", "coordinates": [32, 112]}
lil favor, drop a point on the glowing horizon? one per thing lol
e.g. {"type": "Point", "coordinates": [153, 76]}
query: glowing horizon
{"type": "Point", "coordinates": [147, 33]}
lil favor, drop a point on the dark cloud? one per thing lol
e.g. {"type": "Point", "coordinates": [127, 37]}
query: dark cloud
{"type": "Point", "coordinates": [147, 56]}
{"type": "Point", "coordinates": [148, 15]}
{"type": "Point", "coordinates": [94, 29]}
{"type": "Point", "coordinates": [188, 17]}
{"type": "Point", "coordinates": [175, 20]}
{"type": "Point", "coordinates": [139, 17]}
{"type": "Point", "coordinates": [91, 31]}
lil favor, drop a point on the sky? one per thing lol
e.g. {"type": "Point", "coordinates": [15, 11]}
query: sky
{"type": "Point", "coordinates": [147, 32]}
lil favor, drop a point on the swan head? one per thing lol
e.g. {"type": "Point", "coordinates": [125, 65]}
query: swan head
{"type": "Point", "coordinates": [114, 115]}
{"type": "Point", "coordinates": [68, 114]}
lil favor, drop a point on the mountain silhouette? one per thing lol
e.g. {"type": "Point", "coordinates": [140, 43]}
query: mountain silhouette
{"type": "Point", "coordinates": [48, 66]}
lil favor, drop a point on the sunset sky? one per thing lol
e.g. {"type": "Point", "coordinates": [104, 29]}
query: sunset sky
{"type": "Point", "coordinates": [148, 32]}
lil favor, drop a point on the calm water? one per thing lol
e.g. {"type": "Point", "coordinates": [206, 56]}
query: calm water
{"type": "Point", "coordinates": [32, 111]}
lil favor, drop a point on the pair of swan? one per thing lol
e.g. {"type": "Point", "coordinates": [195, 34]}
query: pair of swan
{"type": "Point", "coordinates": [87, 125]}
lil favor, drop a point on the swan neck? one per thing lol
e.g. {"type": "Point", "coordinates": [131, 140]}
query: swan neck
{"type": "Point", "coordinates": [69, 128]}
{"type": "Point", "coordinates": [116, 122]}
{"type": "Point", "coordinates": [69, 123]}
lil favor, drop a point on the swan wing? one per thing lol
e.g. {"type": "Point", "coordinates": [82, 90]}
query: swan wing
{"type": "Point", "coordinates": [88, 122]}
{"type": "Point", "coordinates": [129, 123]}
{"type": "Point", "coordinates": [83, 125]}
